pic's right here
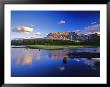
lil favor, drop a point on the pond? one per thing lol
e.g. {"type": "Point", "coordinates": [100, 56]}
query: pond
{"type": "Point", "coordinates": [27, 62]}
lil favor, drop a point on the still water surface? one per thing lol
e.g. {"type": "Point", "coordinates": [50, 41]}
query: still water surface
{"type": "Point", "coordinates": [52, 63]}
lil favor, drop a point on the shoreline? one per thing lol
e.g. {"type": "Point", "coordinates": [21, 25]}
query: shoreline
{"type": "Point", "coordinates": [54, 47]}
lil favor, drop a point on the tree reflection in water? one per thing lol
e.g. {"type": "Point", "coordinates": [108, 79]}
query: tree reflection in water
{"type": "Point", "coordinates": [28, 56]}
{"type": "Point", "coordinates": [35, 62]}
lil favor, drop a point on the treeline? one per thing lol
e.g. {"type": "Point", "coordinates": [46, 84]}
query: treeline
{"type": "Point", "coordinates": [41, 41]}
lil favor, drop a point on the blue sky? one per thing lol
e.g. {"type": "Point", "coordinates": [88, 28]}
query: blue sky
{"type": "Point", "coordinates": [40, 23]}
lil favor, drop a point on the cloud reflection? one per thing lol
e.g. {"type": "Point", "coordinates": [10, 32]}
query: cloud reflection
{"type": "Point", "coordinates": [93, 63]}
{"type": "Point", "coordinates": [28, 56]}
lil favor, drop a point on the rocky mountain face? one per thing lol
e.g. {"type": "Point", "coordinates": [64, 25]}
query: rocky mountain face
{"type": "Point", "coordinates": [70, 36]}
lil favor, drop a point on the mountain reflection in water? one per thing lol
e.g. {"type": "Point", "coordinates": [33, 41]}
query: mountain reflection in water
{"type": "Point", "coordinates": [34, 62]}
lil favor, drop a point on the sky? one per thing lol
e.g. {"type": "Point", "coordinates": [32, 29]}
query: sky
{"type": "Point", "coordinates": [26, 24]}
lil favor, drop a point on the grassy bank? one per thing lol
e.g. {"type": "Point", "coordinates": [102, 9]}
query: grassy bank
{"type": "Point", "coordinates": [53, 47]}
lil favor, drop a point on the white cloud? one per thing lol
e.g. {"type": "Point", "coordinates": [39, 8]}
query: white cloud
{"type": "Point", "coordinates": [37, 33]}
{"type": "Point", "coordinates": [77, 30]}
{"type": "Point", "coordinates": [93, 23]}
{"type": "Point", "coordinates": [92, 28]}
{"type": "Point", "coordinates": [62, 22]}
{"type": "Point", "coordinates": [46, 34]}
{"type": "Point", "coordinates": [24, 29]}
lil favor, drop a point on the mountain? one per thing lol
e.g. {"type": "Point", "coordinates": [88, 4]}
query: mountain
{"type": "Point", "coordinates": [70, 36]}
